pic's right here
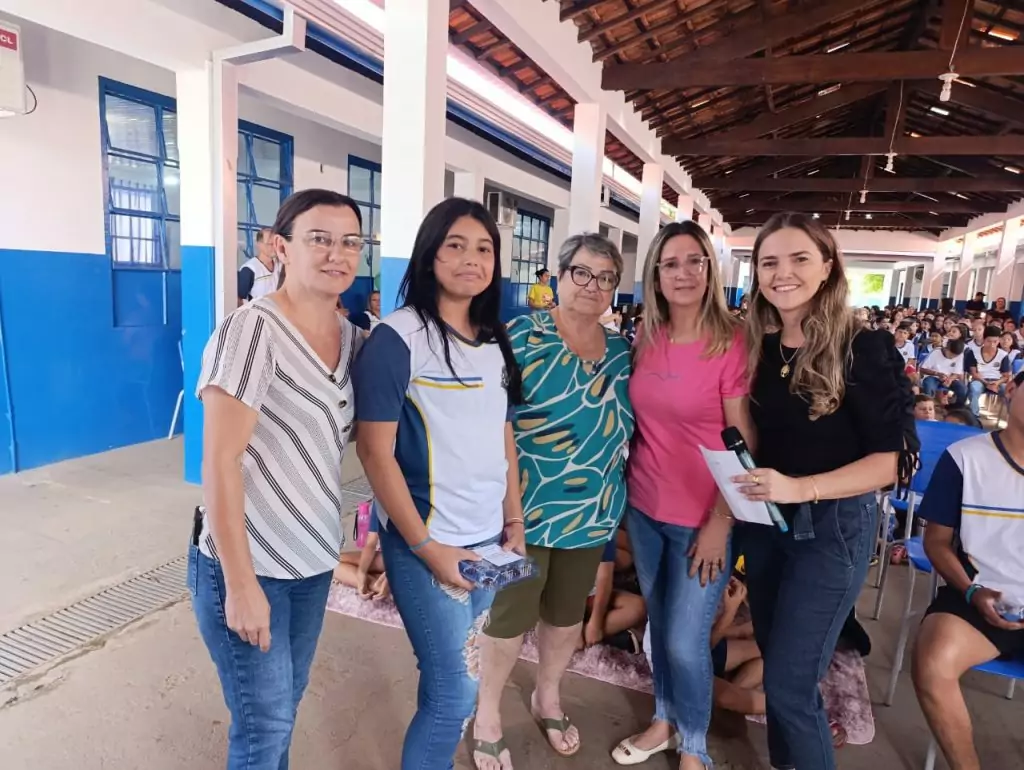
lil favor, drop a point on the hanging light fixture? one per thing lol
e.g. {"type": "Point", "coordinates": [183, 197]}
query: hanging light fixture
{"type": "Point", "coordinates": [890, 158]}
{"type": "Point", "coordinates": [863, 196]}
{"type": "Point", "coordinates": [947, 79]}
{"type": "Point", "coordinates": [847, 215]}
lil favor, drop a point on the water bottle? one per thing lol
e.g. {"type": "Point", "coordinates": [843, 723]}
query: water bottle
{"type": "Point", "coordinates": [1010, 609]}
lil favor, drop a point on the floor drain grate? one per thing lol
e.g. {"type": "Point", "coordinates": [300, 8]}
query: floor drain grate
{"type": "Point", "coordinates": [44, 640]}
{"type": "Point", "coordinates": [74, 626]}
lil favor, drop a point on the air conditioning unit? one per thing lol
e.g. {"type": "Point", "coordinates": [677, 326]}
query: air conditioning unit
{"type": "Point", "coordinates": [606, 196]}
{"type": "Point", "coordinates": [12, 71]}
{"type": "Point", "coordinates": [502, 207]}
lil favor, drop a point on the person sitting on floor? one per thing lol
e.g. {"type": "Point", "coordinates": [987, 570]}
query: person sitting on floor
{"type": "Point", "coordinates": [735, 657]}
{"type": "Point", "coordinates": [924, 408]}
{"type": "Point", "coordinates": [364, 570]}
{"type": "Point", "coordinates": [613, 617]}
{"type": "Point", "coordinates": [975, 541]}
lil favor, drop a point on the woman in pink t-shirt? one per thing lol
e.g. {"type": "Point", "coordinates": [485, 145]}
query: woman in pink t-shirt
{"type": "Point", "coordinates": [689, 382]}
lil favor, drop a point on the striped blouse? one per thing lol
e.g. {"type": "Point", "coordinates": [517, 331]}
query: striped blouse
{"type": "Point", "coordinates": [291, 469]}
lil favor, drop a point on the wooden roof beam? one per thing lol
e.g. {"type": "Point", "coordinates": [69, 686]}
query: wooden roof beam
{"type": "Point", "coordinates": [876, 66]}
{"type": "Point", "coordinates": [956, 23]}
{"type": "Point", "coordinates": [885, 183]}
{"type": "Point", "coordinates": [479, 28]}
{"type": "Point", "coordinates": [843, 204]}
{"type": "Point", "coordinates": [1009, 144]}
{"type": "Point", "coordinates": [574, 9]}
{"type": "Point", "coordinates": [599, 29]}
{"type": "Point", "coordinates": [768, 122]}
{"type": "Point", "coordinates": [860, 222]}
{"type": "Point", "coordinates": [979, 98]}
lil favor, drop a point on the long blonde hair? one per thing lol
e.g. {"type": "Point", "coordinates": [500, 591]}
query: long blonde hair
{"type": "Point", "coordinates": [829, 326]}
{"type": "Point", "coordinates": [715, 323]}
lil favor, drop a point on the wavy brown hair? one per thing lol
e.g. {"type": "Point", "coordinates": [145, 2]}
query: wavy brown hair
{"type": "Point", "coordinates": [829, 326]}
{"type": "Point", "coordinates": [716, 324]}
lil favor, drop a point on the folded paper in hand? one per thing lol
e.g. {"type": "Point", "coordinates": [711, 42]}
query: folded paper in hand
{"type": "Point", "coordinates": [723, 466]}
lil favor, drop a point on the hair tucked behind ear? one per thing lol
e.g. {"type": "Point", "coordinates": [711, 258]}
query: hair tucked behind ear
{"type": "Point", "coordinates": [419, 287]}
{"type": "Point", "coordinates": [829, 327]}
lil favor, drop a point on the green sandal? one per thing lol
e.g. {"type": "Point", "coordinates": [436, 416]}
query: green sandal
{"type": "Point", "coordinates": [488, 749]}
{"type": "Point", "coordinates": [557, 725]}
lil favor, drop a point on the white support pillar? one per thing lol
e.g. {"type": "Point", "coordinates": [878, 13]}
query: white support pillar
{"type": "Point", "coordinates": [589, 125]}
{"type": "Point", "coordinates": [704, 220]}
{"type": "Point", "coordinates": [412, 146]}
{"type": "Point", "coordinates": [207, 108]}
{"type": "Point", "coordinates": [1001, 284]}
{"type": "Point", "coordinates": [653, 179]}
{"type": "Point", "coordinates": [965, 273]}
{"type": "Point", "coordinates": [628, 265]}
{"type": "Point", "coordinates": [469, 184]}
{"type": "Point", "coordinates": [684, 211]}
{"type": "Point", "coordinates": [557, 235]}
{"type": "Point", "coordinates": [931, 284]}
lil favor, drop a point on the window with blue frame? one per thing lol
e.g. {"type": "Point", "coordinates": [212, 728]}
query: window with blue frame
{"type": "Point", "coordinates": [529, 253]}
{"type": "Point", "coordinates": [140, 141]}
{"type": "Point", "coordinates": [364, 185]}
{"type": "Point", "coordinates": [139, 130]}
{"type": "Point", "coordinates": [264, 181]}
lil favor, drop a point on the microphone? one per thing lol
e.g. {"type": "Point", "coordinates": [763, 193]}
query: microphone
{"type": "Point", "coordinates": [734, 442]}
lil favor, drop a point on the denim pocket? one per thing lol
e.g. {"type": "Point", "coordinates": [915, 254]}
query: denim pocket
{"type": "Point", "coordinates": [192, 574]}
{"type": "Point", "coordinates": [851, 520]}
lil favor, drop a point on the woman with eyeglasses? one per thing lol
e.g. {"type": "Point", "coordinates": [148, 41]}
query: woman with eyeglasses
{"type": "Point", "coordinates": [278, 409]}
{"type": "Point", "coordinates": [435, 385]}
{"type": "Point", "coordinates": [689, 382]}
{"type": "Point", "coordinates": [571, 434]}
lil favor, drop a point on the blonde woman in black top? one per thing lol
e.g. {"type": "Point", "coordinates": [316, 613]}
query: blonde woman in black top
{"type": "Point", "coordinates": [833, 413]}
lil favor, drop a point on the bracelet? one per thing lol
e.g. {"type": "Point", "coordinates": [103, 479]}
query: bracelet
{"type": "Point", "coordinates": [728, 515]}
{"type": "Point", "coordinates": [814, 486]}
{"type": "Point", "coordinates": [516, 520]}
{"type": "Point", "coordinates": [971, 589]}
{"type": "Point", "coordinates": [422, 544]}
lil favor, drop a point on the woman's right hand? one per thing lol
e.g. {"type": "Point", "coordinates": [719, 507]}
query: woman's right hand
{"type": "Point", "coordinates": [247, 613]}
{"type": "Point", "coordinates": [443, 561]}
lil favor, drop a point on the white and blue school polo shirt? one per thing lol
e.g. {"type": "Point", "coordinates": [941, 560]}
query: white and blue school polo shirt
{"type": "Point", "coordinates": [450, 443]}
{"type": "Point", "coordinates": [978, 490]}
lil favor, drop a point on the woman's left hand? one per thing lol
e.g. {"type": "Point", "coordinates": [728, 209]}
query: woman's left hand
{"type": "Point", "coordinates": [515, 538]}
{"type": "Point", "coordinates": [707, 554]}
{"type": "Point", "coordinates": [763, 485]}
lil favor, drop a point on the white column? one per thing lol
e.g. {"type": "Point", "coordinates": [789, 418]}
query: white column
{"type": "Point", "coordinates": [589, 126]}
{"type": "Point", "coordinates": [207, 108]}
{"type": "Point", "coordinates": [704, 220]}
{"type": "Point", "coordinates": [469, 184]}
{"type": "Point", "coordinates": [412, 151]}
{"type": "Point", "coordinates": [653, 179]}
{"type": "Point", "coordinates": [1001, 283]}
{"type": "Point", "coordinates": [931, 284]}
{"type": "Point", "coordinates": [965, 272]}
{"type": "Point", "coordinates": [557, 235]}
{"type": "Point", "coordinates": [684, 211]}
{"type": "Point", "coordinates": [628, 265]}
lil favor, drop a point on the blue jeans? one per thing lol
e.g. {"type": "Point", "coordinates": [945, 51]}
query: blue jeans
{"type": "Point", "coordinates": [262, 690]}
{"type": "Point", "coordinates": [680, 612]}
{"type": "Point", "coordinates": [443, 624]}
{"type": "Point", "coordinates": [802, 586]}
{"type": "Point", "coordinates": [932, 385]}
{"type": "Point", "coordinates": [977, 390]}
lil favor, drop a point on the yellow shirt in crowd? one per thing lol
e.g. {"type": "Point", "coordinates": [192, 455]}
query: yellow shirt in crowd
{"type": "Point", "coordinates": [540, 296]}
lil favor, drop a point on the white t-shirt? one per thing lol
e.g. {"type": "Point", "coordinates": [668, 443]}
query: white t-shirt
{"type": "Point", "coordinates": [907, 351]}
{"type": "Point", "coordinates": [974, 347]}
{"type": "Point", "coordinates": [990, 370]}
{"type": "Point", "coordinates": [938, 362]}
{"type": "Point", "coordinates": [264, 281]}
{"type": "Point", "coordinates": [451, 427]}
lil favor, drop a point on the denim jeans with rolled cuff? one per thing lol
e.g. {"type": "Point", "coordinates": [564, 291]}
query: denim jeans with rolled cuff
{"type": "Point", "coordinates": [802, 586]}
{"type": "Point", "coordinates": [681, 613]}
{"type": "Point", "coordinates": [443, 624]}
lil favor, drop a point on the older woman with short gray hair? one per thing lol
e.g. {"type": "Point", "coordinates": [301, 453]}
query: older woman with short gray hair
{"type": "Point", "coordinates": [571, 435]}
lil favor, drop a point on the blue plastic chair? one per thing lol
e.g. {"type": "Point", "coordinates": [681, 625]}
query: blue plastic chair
{"type": "Point", "coordinates": [1017, 365]}
{"type": "Point", "coordinates": [935, 438]}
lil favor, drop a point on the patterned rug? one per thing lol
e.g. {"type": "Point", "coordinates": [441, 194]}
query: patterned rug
{"type": "Point", "coordinates": [845, 688]}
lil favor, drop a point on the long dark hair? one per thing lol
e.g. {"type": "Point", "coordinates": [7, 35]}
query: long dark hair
{"type": "Point", "coordinates": [419, 288]}
{"type": "Point", "coordinates": [297, 204]}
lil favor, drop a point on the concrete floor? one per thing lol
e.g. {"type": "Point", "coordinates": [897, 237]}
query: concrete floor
{"type": "Point", "coordinates": [147, 697]}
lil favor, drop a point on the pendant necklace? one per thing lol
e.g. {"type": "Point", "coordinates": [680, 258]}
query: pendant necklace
{"type": "Point", "coordinates": [786, 368]}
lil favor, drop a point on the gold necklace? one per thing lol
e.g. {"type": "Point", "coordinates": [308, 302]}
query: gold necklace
{"type": "Point", "coordinates": [786, 368]}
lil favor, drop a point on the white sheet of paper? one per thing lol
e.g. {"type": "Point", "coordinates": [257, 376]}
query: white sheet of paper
{"type": "Point", "coordinates": [497, 555]}
{"type": "Point", "coordinates": [723, 466]}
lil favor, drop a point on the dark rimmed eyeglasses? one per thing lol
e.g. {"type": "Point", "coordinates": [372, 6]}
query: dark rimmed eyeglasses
{"type": "Point", "coordinates": [582, 276]}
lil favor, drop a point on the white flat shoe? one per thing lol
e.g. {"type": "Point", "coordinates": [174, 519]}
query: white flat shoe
{"type": "Point", "coordinates": [628, 754]}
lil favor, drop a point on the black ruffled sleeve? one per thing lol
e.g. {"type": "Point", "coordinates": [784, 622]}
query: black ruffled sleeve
{"type": "Point", "coordinates": [879, 394]}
